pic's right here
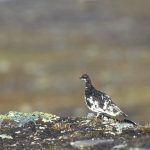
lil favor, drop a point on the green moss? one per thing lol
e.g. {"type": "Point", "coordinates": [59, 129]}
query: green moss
{"type": "Point", "coordinates": [23, 118]}
{"type": "Point", "coordinates": [4, 117]}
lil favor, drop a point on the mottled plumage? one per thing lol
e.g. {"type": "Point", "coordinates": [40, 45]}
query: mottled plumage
{"type": "Point", "coordinates": [100, 102]}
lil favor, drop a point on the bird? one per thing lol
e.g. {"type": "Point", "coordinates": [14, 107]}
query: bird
{"type": "Point", "coordinates": [101, 103]}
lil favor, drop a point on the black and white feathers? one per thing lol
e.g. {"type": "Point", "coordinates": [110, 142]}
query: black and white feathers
{"type": "Point", "coordinates": [100, 102]}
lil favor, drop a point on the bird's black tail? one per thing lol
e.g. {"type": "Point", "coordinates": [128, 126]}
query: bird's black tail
{"type": "Point", "coordinates": [130, 121]}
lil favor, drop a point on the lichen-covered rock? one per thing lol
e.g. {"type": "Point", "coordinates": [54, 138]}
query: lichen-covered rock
{"type": "Point", "coordinates": [40, 130]}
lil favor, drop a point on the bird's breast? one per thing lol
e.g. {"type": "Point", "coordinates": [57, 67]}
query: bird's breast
{"type": "Point", "coordinates": [93, 104]}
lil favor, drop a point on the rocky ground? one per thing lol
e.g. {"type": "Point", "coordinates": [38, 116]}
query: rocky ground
{"type": "Point", "coordinates": [40, 130]}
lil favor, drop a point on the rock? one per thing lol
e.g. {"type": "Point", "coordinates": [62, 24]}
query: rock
{"type": "Point", "coordinates": [91, 142]}
{"type": "Point", "coordinates": [40, 130]}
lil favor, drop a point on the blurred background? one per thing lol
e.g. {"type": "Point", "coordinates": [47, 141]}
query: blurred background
{"type": "Point", "coordinates": [45, 45]}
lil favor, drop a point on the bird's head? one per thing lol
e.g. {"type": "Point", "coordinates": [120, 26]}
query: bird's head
{"type": "Point", "coordinates": [85, 77]}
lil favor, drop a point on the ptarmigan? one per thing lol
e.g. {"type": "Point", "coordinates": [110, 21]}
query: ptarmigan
{"type": "Point", "coordinates": [101, 103]}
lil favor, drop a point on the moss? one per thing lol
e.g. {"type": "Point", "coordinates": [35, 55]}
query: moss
{"type": "Point", "coordinates": [4, 117]}
{"type": "Point", "coordinates": [60, 126]}
{"type": "Point", "coordinates": [23, 118]}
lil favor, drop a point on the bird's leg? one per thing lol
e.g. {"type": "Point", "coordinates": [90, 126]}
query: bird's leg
{"type": "Point", "coordinates": [100, 115]}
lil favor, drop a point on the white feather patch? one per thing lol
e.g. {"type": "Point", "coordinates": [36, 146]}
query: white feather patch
{"type": "Point", "coordinates": [94, 105]}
